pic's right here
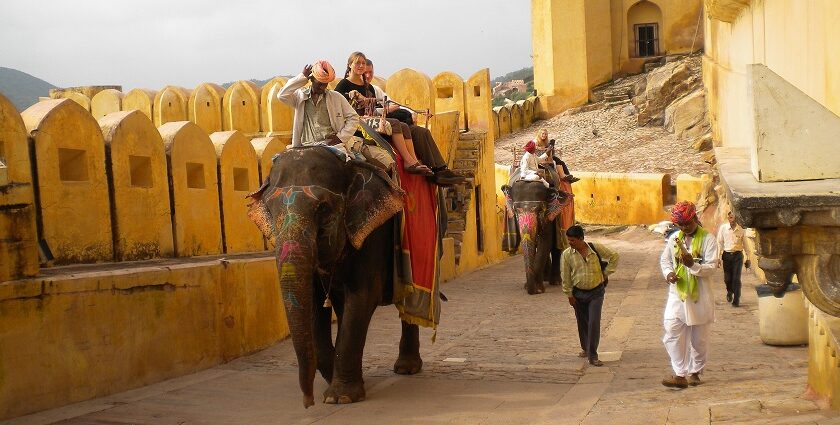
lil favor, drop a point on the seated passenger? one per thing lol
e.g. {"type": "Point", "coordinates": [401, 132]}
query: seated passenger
{"type": "Point", "coordinates": [424, 146]}
{"type": "Point", "coordinates": [529, 164]}
{"type": "Point", "coordinates": [354, 82]}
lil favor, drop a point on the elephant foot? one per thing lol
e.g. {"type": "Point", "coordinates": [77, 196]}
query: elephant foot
{"type": "Point", "coordinates": [408, 365]}
{"type": "Point", "coordinates": [345, 393]}
{"type": "Point", "coordinates": [554, 283]}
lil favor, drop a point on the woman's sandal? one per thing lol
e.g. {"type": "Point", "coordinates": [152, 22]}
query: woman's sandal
{"type": "Point", "coordinates": [418, 168]}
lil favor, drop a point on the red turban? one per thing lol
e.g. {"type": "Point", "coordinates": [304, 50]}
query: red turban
{"type": "Point", "coordinates": [683, 212]}
{"type": "Point", "coordinates": [323, 72]}
{"type": "Point", "coordinates": [530, 146]}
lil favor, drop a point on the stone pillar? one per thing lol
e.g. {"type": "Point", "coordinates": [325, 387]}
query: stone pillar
{"type": "Point", "coordinates": [105, 102]}
{"type": "Point", "coordinates": [449, 95]}
{"type": "Point", "coordinates": [238, 176]}
{"type": "Point", "coordinates": [139, 187]}
{"type": "Point", "coordinates": [241, 108]}
{"type": "Point", "coordinates": [75, 212]}
{"type": "Point", "coordinates": [504, 120]}
{"type": "Point", "coordinates": [194, 188]}
{"type": "Point", "coordinates": [266, 148]}
{"type": "Point", "coordinates": [276, 116]}
{"type": "Point", "coordinates": [170, 105]}
{"type": "Point", "coordinates": [141, 100]}
{"type": "Point", "coordinates": [413, 89]}
{"type": "Point", "coordinates": [205, 107]}
{"type": "Point", "coordinates": [515, 117]}
{"type": "Point", "coordinates": [18, 235]}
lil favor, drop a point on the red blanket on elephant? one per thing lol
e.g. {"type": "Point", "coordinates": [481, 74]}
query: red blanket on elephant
{"type": "Point", "coordinates": [418, 264]}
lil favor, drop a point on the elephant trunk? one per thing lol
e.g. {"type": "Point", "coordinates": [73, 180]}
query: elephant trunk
{"type": "Point", "coordinates": [528, 228]}
{"type": "Point", "coordinates": [296, 264]}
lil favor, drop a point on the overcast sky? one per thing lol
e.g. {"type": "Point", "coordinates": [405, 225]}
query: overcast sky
{"type": "Point", "coordinates": [152, 43]}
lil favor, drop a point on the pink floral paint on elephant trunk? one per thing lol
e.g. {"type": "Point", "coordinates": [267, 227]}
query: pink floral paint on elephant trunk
{"type": "Point", "coordinates": [529, 227]}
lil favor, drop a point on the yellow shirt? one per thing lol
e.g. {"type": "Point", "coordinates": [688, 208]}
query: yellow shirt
{"type": "Point", "coordinates": [581, 273]}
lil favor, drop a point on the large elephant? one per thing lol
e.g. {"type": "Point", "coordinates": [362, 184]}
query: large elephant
{"type": "Point", "coordinates": [535, 207]}
{"type": "Point", "coordinates": [310, 207]}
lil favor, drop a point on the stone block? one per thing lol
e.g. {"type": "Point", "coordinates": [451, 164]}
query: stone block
{"type": "Point", "coordinates": [239, 175]}
{"type": "Point", "coordinates": [449, 95]}
{"type": "Point", "coordinates": [69, 157]}
{"type": "Point", "coordinates": [620, 198]}
{"type": "Point", "coordinates": [194, 184]}
{"type": "Point", "coordinates": [479, 101]}
{"type": "Point", "coordinates": [106, 102]}
{"type": "Point", "coordinates": [140, 99]}
{"type": "Point", "coordinates": [205, 107]}
{"type": "Point", "coordinates": [266, 148]}
{"type": "Point", "coordinates": [18, 235]}
{"type": "Point", "coordinates": [690, 188]}
{"type": "Point", "coordinates": [515, 117]}
{"type": "Point", "coordinates": [241, 108]}
{"type": "Point", "coordinates": [685, 113]}
{"type": "Point", "coordinates": [276, 116]}
{"type": "Point", "coordinates": [412, 88]}
{"type": "Point", "coordinates": [170, 105]}
{"type": "Point", "coordinates": [139, 186]}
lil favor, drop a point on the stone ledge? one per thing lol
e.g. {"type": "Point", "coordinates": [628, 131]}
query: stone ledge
{"type": "Point", "coordinates": [725, 10]}
{"type": "Point", "coordinates": [776, 204]}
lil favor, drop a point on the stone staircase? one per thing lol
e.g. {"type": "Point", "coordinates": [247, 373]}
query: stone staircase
{"type": "Point", "coordinates": [464, 160]}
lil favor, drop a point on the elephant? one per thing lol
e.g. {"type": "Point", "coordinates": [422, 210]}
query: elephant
{"type": "Point", "coordinates": [535, 207]}
{"type": "Point", "coordinates": [311, 205]}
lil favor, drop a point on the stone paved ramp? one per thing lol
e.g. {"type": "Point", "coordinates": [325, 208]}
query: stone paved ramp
{"type": "Point", "coordinates": [504, 357]}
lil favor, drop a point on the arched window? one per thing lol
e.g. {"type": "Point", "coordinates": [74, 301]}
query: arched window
{"type": "Point", "coordinates": [643, 20]}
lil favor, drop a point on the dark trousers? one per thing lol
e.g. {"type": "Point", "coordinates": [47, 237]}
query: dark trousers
{"type": "Point", "coordinates": [733, 262]}
{"type": "Point", "coordinates": [588, 314]}
{"type": "Point", "coordinates": [425, 148]}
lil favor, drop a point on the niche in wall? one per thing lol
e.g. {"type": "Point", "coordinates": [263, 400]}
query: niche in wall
{"type": "Point", "coordinates": [72, 165]}
{"type": "Point", "coordinates": [195, 175]}
{"type": "Point", "coordinates": [141, 171]}
{"type": "Point", "coordinates": [240, 179]}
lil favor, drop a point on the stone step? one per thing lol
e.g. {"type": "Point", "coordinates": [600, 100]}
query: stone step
{"type": "Point", "coordinates": [456, 225]}
{"type": "Point", "coordinates": [468, 144]}
{"type": "Point", "coordinates": [466, 154]}
{"type": "Point", "coordinates": [465, 165]}
{"type": "Point", "coordinates": [472, 136]}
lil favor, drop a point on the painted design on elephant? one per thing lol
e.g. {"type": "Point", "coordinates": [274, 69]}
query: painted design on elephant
{"type": "Point", "coordinates": [289, 249]}
{"type": "Point", "coordinates": [288, 275]}
{"type": "Point", "coordinates": [527, 223]}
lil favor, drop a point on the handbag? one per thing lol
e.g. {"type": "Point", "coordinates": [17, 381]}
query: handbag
{"type": "Point", "coordinates": [381, 125]}
{"type": "Point", "coordinates": [603, 263]}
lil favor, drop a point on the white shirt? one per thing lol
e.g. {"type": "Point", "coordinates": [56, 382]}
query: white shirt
{"type": "Point", "coordinates": [529, 166]}
{"type": "Point", "coordinates": [690, 312]}
{"type": "Point", "coordinates": [343, 117]}
{"type": "Point", "coordinates": [730, 239]}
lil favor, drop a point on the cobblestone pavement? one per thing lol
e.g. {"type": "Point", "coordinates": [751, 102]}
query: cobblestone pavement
{"type": "Point", "coordinates": [504, 357]}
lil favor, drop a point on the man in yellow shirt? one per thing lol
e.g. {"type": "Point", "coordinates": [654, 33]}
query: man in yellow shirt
{"type": "Point", "coordinates": [584, 268]}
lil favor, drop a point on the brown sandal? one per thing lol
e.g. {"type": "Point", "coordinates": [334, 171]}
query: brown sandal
{"type": "Point", "coordinates": [418, 168]}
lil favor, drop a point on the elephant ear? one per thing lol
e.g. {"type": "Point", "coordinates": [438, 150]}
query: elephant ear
{"type": "Point", "coordinates": [557, 199]}
{"type": "Point", "coordinates": [259, 214]}
{"type": "Point", "coordinates": [372, 199]}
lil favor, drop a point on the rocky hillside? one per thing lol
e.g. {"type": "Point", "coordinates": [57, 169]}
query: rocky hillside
{"type": "Point", "coordinates": [21, 88]}
{"type": "Point", "coordinates": [651, 122]}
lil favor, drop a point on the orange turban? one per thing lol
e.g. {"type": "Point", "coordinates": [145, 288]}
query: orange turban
{"type": "Point", "coordinates": [683, 212]}
{"type": "Point", "coordinates": [323, 71]}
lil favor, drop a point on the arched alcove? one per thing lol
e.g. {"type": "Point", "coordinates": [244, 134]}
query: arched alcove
{"type": "Point", "coordinates": [644, 23]}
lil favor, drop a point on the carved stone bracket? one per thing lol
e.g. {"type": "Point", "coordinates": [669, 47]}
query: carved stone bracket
{"type": "Point", "coordinates": [797, 228]}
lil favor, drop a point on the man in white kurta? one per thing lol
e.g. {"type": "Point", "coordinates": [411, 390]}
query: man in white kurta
{"type": "Point", "coordinates": [688, 314]}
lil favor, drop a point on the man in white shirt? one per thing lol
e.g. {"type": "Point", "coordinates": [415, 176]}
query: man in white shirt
{"type": "Point", "coordinates": [529, 164]}
{"type": "Point", "coordinates": [730, 238]}
{"type": "Point", "coordinates": [322, 116]}
{"type": "Point", "coordinates": [687, 262]}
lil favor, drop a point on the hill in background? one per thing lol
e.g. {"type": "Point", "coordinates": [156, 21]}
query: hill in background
{"type": "Point", "coordinates": [21, 88]}
{"type": "Point", "coordinates": [504, 94]}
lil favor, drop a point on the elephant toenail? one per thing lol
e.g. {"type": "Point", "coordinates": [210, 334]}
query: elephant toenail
{"type": "Point", "coordinates": [344, 400]}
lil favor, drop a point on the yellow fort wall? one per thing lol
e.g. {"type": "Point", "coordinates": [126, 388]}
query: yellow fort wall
{"type": "Point", "coordinates": [503, 115]}
{"type": "Point", "coordinates": [140, 99]}
{"type": "Point", "coordinates": [616, 198]}
{"type": "Point", "coordinates": [194, 185]}
{"type": "Point", "coordinates": [276, 116]}
{"type": "Point", "coordinates": [515, 117]}
{"type": "Point", "coordinates": [413, 89]}
{"type": "Point", "coordinates": [139, 187]}
{"type": "Point", "coordinates": [75, 216]}
{"type": "Point", "coordinates": [18, 249]}
{"type": "Point", "coordinates": [105, 102]}
{"type": "Point", "coordinates": [71, 337]}
{"type": "Point", "coordinates": [205, 107]}
{"type": "Point", "coordinates": [239, 175]}
{"type": "Point", "coordinates": [266, 148]}
{"type": "Point", "coordinates": [479, 103]}
{"type": "Point", "coordinates": [170, 105]}
{"type": "Point", "coordinates": [449, 95]}
{"type": "Point", "coordinates": [241, 107]}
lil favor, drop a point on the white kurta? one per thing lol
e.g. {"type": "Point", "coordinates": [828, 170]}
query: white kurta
{"type": "Point", "coordinates": [687, 322]}
{"type": "Point", "coordinates": [529, 167]}
{"type": "Point", "coordinates": [703, 310]}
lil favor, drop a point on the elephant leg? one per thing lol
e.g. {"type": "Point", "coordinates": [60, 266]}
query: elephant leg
{"type": "Point", "coordinates": [322, 333]}
{"type": "Point", "coordinates": [554, 270]}
{"type": "Point", "coordinates": [409, 361]}
{"type": "Point", "coordinates": [347, 385]}
{"type": "Point", "coordinates": [541, 260]}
